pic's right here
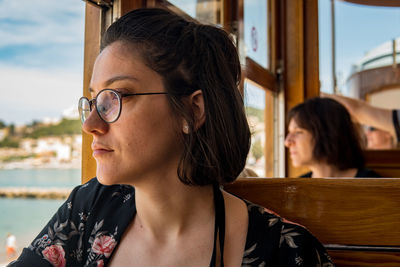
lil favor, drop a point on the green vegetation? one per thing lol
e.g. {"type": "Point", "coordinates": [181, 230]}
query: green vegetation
{"type": "Point", "coordinates": [259, 113]}
{"type": "Point", "coordinates": [9, 142]}
{"type": "Point", "coordinates": [16, 158]}
{"type": "Point", "coordinates": [65, 127]}
{"type": "Point", "coordinates": [257, 149]}
{"type": "Point", "coordinates": [2, 124]}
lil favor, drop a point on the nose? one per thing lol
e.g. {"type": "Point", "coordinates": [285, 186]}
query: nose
{"type": "Point", "coordinates": [288, 140]}
{"type": "Point", "coordinates": [94, 125]}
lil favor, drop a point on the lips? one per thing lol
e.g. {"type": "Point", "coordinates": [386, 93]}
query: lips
{"type": "Point", "coordinates": [100, 149]}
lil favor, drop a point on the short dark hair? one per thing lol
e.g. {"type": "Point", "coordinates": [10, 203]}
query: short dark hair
{"type": "Point", "coordinates": [190, 56]}
{"type": "Point", "coordinates": [336, 138]}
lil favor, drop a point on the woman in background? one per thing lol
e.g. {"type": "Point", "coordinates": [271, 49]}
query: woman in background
{"type": "Point", "coordinates": [322, 137]}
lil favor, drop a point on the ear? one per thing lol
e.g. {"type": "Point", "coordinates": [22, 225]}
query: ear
{"type": "Point", "coordinates": [196, 103]}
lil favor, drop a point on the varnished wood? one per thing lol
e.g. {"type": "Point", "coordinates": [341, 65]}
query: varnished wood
{"type": "Point", "coordinates": [337, 210]}
{"type": "Point", "coordinates": [269, 134]}
{"type": "Point", "coordinates": [364, 259]}
{"type": "Point", "coordinates": [293, 62]}
{"type": "Point", "coordinates": [91, 50]}
{"type": "Point", "coordinates": [128, 5]}
{"type": "Point", "coordinates": [260, 75]}
{"type": "Point", "coordinates": [300, 57]}
{"type": "Point", "coordinates": [385, 162]}
{"type": "Point", "coordinates": [392, 3]}
{"type": "Point", "coordinates": [311, 49]}
{"type": "Point", "coordinates": [346, 211]}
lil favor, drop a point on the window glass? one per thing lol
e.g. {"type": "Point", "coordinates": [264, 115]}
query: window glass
{"type": "Point", "coordinates": [256, 31]}
{"type": "Point", "coordinates": [366, 53]}
{"type": "Point", "coordinates": [254, 100]}
{"type": "Point", "coordinates": [207, 11]}
{"type": "Point", "coordinates": [41, 66]}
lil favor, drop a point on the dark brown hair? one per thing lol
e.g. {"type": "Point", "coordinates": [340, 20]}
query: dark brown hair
{"type": "Point", "coordinates": [190, 56]}
{"type": "Point", "coordinates": [336, 137]}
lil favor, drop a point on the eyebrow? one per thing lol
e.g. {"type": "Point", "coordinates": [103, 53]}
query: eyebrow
{"type": "Point", "coordinates": [115, 79]}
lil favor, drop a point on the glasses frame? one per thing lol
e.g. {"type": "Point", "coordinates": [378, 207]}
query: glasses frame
{"type": "Point", "coordinates": [119, 95]}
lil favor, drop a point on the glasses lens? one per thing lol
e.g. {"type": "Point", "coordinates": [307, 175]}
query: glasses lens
{"type": "Point", "coordinates": [108, 104]}
{"type": "Point", "coordinates": [84, 108]}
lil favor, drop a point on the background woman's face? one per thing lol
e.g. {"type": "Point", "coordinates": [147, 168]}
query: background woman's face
{"type": "Point", "coordinates": [379, 139]}
{"type": "Point", "coordinates": [300, 143]}
{"type": "Point", "coordinates": [144, 140]}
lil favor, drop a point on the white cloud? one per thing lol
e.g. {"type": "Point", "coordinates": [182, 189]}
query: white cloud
{"type": "Point", "coordinates": [28, 94]}
{"type": "Point", "coordinates": [42, 65]}
{"type": "Point", "coordinates": [41, 22]}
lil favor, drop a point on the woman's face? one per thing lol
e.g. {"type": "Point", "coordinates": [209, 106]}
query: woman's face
{"type": "Point", "coordinates": [301, 145]}
{"type": "Point", "coordinates": [378, 139]}
{"type": "Point", "coordinates": [144, 141]}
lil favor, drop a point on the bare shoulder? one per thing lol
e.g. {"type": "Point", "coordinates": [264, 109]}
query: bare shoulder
{"type": "Point", "coordinates": [237, 221]}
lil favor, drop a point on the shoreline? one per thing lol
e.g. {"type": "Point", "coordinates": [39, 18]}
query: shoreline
{"type": "Point", "coordinates": [51, 165]}
{"type": "Point", "coordinates": [34, 192]}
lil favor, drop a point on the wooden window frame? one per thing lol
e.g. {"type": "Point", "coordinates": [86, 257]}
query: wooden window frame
{"type": "Point", "coordinates": [293, 57]}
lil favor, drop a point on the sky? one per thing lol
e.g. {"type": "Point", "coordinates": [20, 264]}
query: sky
{"type": "Point", "coordinates": [359, 29]}
{"type": "Point", "coordinates": [41, 51]}
{"type": "Point", "coordinates": [41, 58]}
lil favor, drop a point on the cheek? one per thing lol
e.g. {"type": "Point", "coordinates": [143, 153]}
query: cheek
{"type": "Point", "coordinates": [307, 147]}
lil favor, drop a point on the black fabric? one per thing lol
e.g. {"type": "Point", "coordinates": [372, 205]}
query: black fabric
{"type": "Point", "coordinates": [88, 226]}
{"type": "Point", "coordinates": [219, 225]}
{"type": "Point", "coordinates": [396, 124]}
{"type": "Point", "coordinates": [361, 173]}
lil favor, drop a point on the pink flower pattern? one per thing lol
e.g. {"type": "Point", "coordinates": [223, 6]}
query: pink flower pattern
{"type": "Point", "coordinates": [100, 263]}
{"type": "Point", "coordinates": [55, 255]}
{"type": "Point", "coordinates": [104, 245]}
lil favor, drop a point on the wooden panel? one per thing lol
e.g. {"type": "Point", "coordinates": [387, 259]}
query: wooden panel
{"type": "Point", "coordinates": [393, 3]}
{"type": "Point", "coordinates": [260, 75]}
{"type": "Point", "coordinates": [300, 56]}
{"type": "Point", "coordinates": [269, 134]}
{"type": "Point", "coordinates": [385, 162]}
{"type": "Point", "coordinates": [311, 49]}
{"type": "Point", "coordinates": [91, 50]}
{"type": "Point", "coordinates": [365, 259]}
{"type": "Point", "coordinates": [128, 5]}
{"type": "Point", "coordinates": [294, 53]}
{"type": "Point", "coordinates": [350, 211]}
{"type": "Point", "coordinates": [293, 58]}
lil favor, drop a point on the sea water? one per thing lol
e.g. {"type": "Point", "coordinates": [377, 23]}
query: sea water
{"type": "Point", "coordinates": [25, 218]}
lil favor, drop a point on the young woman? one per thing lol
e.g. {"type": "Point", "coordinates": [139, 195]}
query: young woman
{"type": "Point", "coordinates": [168, 129]}
{"type": "Point", "coordinates": [322, 137]}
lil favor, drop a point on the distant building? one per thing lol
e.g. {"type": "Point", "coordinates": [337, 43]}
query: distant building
{"type": "Point", "coordinates": [376, 77]}
{"type": "Point", "coordinates": [55, 145]}
{"type": "Point", "coordinates": [3, 133]}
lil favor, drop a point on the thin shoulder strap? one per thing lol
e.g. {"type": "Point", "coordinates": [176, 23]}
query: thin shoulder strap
{"type": "Point", "coordinates": [219, 225]}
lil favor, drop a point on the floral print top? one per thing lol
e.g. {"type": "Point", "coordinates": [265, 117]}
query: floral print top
{"type": "Point", "coordinates": [88, 226]}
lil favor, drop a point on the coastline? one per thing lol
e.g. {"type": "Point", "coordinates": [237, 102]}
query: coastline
{"type": "Point", "coordinates": [34, 192]}
{"type": "Point", "coordinates": [31, 164]}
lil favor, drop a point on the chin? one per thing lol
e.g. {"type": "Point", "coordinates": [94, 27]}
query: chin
{"type": "Point", "coordinates": [296, 163]}
{"type": "Point", "coordinates": [106, 177]}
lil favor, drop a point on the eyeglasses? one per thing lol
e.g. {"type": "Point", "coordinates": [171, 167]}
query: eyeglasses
{"type": "Point", "coordinates": [108, 104]}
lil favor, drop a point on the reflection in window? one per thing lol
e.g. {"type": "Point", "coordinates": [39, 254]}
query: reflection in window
{"type": "Point", "coordinates": [255, 31]}
{"type": "Point", "coordinates": [206, 11]}
{"type": "Point", "coordinates": [254, 100]}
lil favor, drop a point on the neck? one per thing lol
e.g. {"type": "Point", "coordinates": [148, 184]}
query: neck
{"type": "Point", "coordinates": [168, 209]}
{"type": "Point", "coordinates": [327, 170]}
